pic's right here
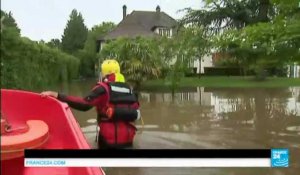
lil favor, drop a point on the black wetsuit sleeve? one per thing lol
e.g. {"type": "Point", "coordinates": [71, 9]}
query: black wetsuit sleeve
{"type": "Point", "coordinates": [82, 104]}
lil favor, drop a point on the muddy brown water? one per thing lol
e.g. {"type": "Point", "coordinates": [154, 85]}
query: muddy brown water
{"type": "Point", "coordinates": [207, 118]}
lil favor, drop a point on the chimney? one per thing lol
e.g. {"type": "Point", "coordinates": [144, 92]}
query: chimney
{"type": "Point", "coordinates": [158, 9]}
{"type": "Point", "coordinates": [124, 11]}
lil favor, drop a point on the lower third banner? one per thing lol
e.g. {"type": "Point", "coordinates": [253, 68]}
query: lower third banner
{"type": "Point", "coordinates": [158, 158]}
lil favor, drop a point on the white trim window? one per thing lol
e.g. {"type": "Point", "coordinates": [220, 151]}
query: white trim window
{"type": "Point", "coordinates": [165, 32]}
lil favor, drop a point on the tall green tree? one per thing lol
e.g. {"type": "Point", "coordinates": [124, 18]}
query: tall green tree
{"type": "Point", "coordinates": [270, 44]}
{"type": "Point", "coordinates": [88, 55]}
{"type": "Point", "coordinates": [218, 15]}
{"type": "Point", "coordinates": [32, 65]}
{"type": "Point", "coordinates": [188, 45]}
{"type": "Point", "coordinates": [75, 33]}
{"type": "Point", "coordinates": [7, 21]}
{"type": "Point", "coordinates": [97, 32]}
{"type": "Point", "coordinates": [54, 43]}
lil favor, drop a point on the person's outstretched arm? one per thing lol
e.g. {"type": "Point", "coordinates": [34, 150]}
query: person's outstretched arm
{"type": "Point", "coordinates": [82, 104]}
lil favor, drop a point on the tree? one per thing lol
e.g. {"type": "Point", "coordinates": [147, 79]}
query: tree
{"type": "Point", "coordinates": [97, 31]}
{"type": "Point", "coordinates": [227, 14]}
{"type": "Point", "coordinates": [88, 55]}
{"type": "Point", "coordinates": [264, 45]}
{"type": "Point", "coordinates": [170, 58]}
{"type": "Point", "coordinates": [75, 33]}
{"type": "Point", "coordinates": [137, 57]}
{"type": "Point", "coordinates": [32, 65]}
{"type": "Point", "coordinates": [54, 43]}
{"type": "Point", "coordinates": [288, 40]}
{"type": "Point", "coordinates": [188, 45]}
{"type": "Point", "coordinates": [7, 21]}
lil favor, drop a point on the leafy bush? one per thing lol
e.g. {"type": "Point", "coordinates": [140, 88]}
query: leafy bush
{"type": "Point", "coordinates": [226, 71]}
{"type": "Point", "coordinates": [138, 58]}
{"type": "Point", "coordinates": [30, 65]}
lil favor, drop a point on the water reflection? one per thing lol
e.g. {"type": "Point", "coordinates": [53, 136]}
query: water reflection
{"type": "Point", "coordinates": [259, 114]}
{"type": "Point", "coordinates": [211, 118]}
{"type": "Point", "coordinates": [226, 100]}
{"type": "Point", "coordinates": [225, 118]}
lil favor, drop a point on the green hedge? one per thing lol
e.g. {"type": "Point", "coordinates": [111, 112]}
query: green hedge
{"type": "Point", "coordinates": [236, 71]}
{"type": "Point", "coordinates": [221, 71]}
{"type": "Point", "coordinates": [26, 64]}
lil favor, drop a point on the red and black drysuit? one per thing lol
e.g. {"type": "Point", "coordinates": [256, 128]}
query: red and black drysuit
{"type": "Point", "coordinates": [117, 131]}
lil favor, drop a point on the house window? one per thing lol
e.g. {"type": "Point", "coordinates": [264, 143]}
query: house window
{"type": "Point", "coordinates": [168, 33]}
{"type": "Point", "coordinates": [164, 32]}
{"type": "Point", "coordinates": [160, 31]}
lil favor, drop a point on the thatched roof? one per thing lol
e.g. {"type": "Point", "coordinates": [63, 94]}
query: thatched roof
{"type": "Point", "coordinates": [141, 23]}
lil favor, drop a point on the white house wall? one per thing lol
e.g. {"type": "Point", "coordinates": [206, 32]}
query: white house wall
{"type": "Point", "coordinates": [206, 61]}
{"type": "Point", "coordinates": [293, 71]}
{"type": "Point", "coordinates": [297, 71]}
{"type": "Point", "coordinates": [101, 46]}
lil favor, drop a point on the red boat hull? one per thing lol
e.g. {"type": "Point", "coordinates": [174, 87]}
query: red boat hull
{"type": "Point", "coordinates": [17, 107]}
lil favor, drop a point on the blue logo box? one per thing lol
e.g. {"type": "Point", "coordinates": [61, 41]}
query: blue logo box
{"type": "Point", "coordinates": [280, 157]}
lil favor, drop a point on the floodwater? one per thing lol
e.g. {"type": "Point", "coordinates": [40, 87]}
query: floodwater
{"type": "Point", "coordinates": [210, 118]}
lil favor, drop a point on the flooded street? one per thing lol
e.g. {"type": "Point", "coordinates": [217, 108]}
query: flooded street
{"type": "Point", "coordinates": [208, 118]}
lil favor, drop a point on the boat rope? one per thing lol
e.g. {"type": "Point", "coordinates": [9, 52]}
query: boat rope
{"type": "Point", "coordinates": [9, 129]}
{"type": "Point", "coordinates": [7, 125]}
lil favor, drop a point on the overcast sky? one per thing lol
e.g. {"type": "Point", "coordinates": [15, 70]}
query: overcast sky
{"type": "Point", "coordinates": [46, 19]}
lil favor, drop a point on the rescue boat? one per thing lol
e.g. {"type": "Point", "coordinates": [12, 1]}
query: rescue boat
{"type": "Point", "coordinates": [29, 121]}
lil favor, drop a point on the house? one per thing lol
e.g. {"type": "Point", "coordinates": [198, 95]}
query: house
{"type": "Point", "coordinates": [205, 61]}
{"type": "Point", "coordinates": [293, 71]}
{"type": "Point", "coordinates": [148, 24]}
{"type": "Point", "coordinates": [142, 23]}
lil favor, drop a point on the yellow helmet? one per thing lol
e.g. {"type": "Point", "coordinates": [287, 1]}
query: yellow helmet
{"type": "Point", "coordinates": [109, 67]}
{"type": "Point", "coordinates": [119, 77]}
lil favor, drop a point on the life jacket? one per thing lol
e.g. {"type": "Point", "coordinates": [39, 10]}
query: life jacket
{"type": "Point", "coordinates": [116, 117]}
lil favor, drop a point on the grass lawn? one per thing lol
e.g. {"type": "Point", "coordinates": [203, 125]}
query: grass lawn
{"type": "Point", "coordinates": [225, 81]}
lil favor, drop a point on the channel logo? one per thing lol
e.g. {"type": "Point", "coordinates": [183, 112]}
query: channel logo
{"type": "Point", "coordinates": [280, 157]}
